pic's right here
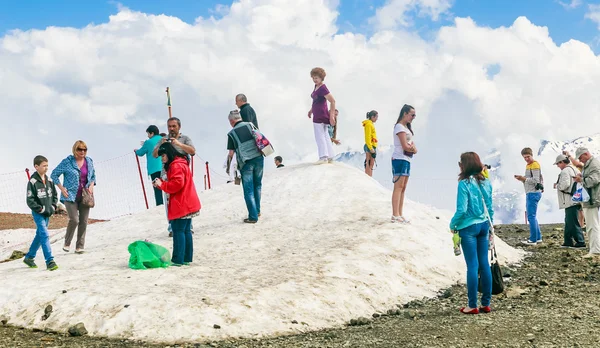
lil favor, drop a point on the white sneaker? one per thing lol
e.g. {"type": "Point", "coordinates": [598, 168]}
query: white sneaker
{"type": "Point", "coordinates": [539, 242]}
{"type": "Point", "coordinates": [528, 242]}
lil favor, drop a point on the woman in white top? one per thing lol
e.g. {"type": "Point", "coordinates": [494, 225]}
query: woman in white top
{"type": "Point", "coordinates": [404, 149]}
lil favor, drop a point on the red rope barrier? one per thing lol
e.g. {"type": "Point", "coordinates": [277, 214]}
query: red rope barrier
{"type": "Point", "coordinates": [28, 176]}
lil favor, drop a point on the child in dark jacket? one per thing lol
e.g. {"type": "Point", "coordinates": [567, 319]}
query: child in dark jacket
{"type": "Point", "coordinates": [43, 201]}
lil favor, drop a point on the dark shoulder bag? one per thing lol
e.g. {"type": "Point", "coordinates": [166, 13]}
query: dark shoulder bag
{"type": "Point", "coordinates": [497, 277]}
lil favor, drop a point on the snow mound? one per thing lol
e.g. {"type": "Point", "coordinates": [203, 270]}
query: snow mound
{"type": "Point", "coordinates": [324, 252]}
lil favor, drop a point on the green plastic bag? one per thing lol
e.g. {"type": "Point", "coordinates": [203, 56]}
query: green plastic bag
{"type": "Point", "coordinates": [145, 255]}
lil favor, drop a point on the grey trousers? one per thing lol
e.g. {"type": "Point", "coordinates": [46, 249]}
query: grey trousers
{"type": "Point", "coordinates": [78, 219]}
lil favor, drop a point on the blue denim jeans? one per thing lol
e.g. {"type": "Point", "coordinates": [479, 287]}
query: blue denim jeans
{"type": "Point", "coordinates": [41, 238]}
{"type": "Point", "coordinates": [183, 244]}
{"type": "Point", "coordinates": [474, 243]}
{"type": "Point", "coordinates": [252, 173]}
{"type": "Point", "coordinates": [531, 204]}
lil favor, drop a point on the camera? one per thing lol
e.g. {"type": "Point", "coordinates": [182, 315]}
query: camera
{"type": "Point", "coordinates": [487, 166]}
{"type": "Point", "coordinates": [539, 186]}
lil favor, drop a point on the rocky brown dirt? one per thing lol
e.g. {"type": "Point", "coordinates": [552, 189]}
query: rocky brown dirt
{"type": "Point", "coordinates": [551, 300]}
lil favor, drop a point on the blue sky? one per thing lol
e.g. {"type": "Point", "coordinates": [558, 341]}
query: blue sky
{"type": "Point", "coordinates": [563, 24]}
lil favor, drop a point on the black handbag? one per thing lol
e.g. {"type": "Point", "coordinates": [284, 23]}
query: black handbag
{"type": "Point", "coordinates": [497, 277]}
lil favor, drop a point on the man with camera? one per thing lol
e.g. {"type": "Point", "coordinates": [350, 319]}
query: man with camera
{"type": "Point", "coordinates": [181, 143]}
{"type": "Point", "coordinates": [590, 179]}
{"type": "Point", "coordinates": [534, 186]}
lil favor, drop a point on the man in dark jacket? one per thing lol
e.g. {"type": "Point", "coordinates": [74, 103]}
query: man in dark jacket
{"type": "Point", "coordinates": [42, 199]}
{"type": "Point", "coordinates": [246, 111]}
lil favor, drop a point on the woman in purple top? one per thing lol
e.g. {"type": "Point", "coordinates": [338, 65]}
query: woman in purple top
{"type": "Point", "coordinates": [78, 174]}
{"type": "Point", "coordinates": [323, 116]}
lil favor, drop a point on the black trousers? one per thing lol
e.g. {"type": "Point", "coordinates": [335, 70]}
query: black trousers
{"type": "Point", "coordinates": [158, 195]}
{"type": "Point", "coordinates": [573, 230]}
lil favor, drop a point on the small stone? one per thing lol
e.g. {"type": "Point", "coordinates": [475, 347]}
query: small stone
{"type": "Point", "coordinates": [47, 312]}
{"type": "Point", "coordinates": [78, 330]}
{"type": "Point", "coordinates": [126, 306]}
{"type": "Point", "coordinates": [303, 323]}
{"type": "Point", "coordinates": [217, 326]}
{"type": "Point", "coordinates": [4, 321]}
{"type": "Point", "coordinates": [577, 316]}
{"type": "Point", "coordinates": [447, 293]}
{"type": "Point", "coordinates": [363, 321]}
{"type": "Point", "coordinates": [410, 314]}
{"type": "Point", "coordinates": [294, 321]}
{"type": "Point", "coordinates": [530, 337]}
{"type": "Point", "coordinates": [437, 217]}
{"type": "Point", "coordinates": [543, 283]}
{"type": "Point", "coordinates": [376, 315]}
{"type": "Point", "coordinates": [64, 291]}
{"type": "Point", "coordinates": [353, 322]}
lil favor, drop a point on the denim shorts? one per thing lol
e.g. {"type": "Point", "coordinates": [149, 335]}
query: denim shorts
{"type": "Point", "coordinates": [366, 148]}
{"type": "Point", "coordinates": [400, 167]}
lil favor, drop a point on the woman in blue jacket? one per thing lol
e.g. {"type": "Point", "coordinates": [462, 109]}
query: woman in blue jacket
{"type": "Point", "coordinates": [471, 222]}
{"type": "Point", "coordinates": [153, 164]}
{"type": "Point", "coordinates": [78, 174]}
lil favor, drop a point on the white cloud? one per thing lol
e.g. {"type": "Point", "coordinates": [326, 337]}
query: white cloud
{"type": "Point", "coordinates": [105, 83]}
{"type": "Point", "coordinates": [571, 5]}
{"type": "Point", "coordinates": [594, 14]}
{"type": "Point", "coordinates": [394, 13]}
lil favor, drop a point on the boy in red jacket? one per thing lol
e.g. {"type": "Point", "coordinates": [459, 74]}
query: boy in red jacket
{"type": "Point", "coordinates": [183, 203]}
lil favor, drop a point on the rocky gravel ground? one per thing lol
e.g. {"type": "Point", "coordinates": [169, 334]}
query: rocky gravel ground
{"type": "Point", "coordinates": [552, 300]}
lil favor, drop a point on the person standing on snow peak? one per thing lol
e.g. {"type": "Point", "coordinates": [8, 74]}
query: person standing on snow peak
{"type": "Point", "coordinates": [182, 144]}
{"type": "Point", "coordinates": [241, 142]}
{"type": "Point", "coordinates": [404, 150]}
{"type": "Point", "coordinates": [322, 115]}
{"type": "Point", "coordinates": [246, 111]}
{"type": "Point", "coordinates": [183, 203]}
{"type": "Point", "coordinates": [370, 141]}
{"type": "Point", "coordinates": [153, 164]}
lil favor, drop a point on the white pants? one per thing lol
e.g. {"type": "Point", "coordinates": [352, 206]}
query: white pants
{"type": "Point", "coordinates": [592, 223]}
{"type": "Point", "coordinates": [323, 140]}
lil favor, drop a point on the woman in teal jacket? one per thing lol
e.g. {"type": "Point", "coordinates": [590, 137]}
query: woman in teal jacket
{"type": "Point", "coordinates": [153, 164]}
{"type": "Point", "coordinates": [471, 222]}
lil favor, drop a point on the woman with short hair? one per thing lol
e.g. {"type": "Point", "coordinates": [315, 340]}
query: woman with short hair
{"type": "Point", "coordinates": [322, 115]}
{"type": "Point", "coordinates": [78, 175]}
{"type": "Point", "coordinates": [473, 211]}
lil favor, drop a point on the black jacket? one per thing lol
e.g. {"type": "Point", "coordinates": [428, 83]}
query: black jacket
{"type": "Point", "coordinates": [42, 199]}
{"type": "Point", "coordinates": [248, 114]}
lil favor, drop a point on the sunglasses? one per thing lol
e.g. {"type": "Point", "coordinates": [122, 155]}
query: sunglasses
{"type": "Point", "coordinates": [80, 149]}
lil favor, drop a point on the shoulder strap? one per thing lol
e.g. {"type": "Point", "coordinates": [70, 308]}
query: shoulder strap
{"type": "Point", "coordinates": [485, 209]}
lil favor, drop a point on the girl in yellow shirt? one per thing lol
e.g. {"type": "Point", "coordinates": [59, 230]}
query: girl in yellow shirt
{"type": "Point", "coordinates": [370, 141]}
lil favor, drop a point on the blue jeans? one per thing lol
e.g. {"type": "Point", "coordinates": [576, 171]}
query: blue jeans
{"type": "Point", "coordinates": [183, 244]}
{"type": "Point", "coordinates": [252, 173]}
{"type": "Point", "coordinates": [531, 204]}
{"type": "Point", "coordinates": [474, 243]}
{"type": "Point", "coordinates": [41, 238]}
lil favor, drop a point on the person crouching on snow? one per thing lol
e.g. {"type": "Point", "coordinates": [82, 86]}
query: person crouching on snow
{"type": "Point", "coordinates": [183, 203]}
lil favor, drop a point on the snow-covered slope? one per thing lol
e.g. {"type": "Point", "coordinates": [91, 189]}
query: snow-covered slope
{"type": "Point", "coordinates": [323, 253]}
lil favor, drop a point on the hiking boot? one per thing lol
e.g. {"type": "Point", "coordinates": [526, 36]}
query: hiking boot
{"type": "Point", "coordinates": [248, 221]}
{"type": "Point", "coordinates": [52, 266]}
{"type": "Point", "coordinates": [30, 263]}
